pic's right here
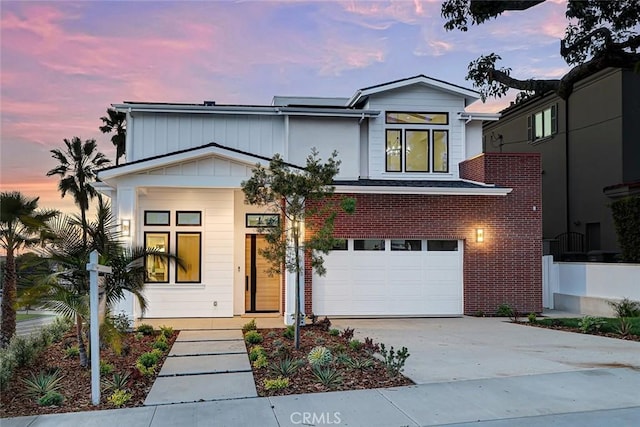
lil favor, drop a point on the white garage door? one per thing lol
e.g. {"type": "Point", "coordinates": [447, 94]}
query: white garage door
{"type": "Point", "coordinates": [392, 277]}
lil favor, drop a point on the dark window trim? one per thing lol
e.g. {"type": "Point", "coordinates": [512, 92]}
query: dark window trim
{"type": "Point", "coordinates": [433, 142]}
{"type": "Point", "coordinates": [178, 233]}
{"type": "Point", "coordinates": [405, 249]}
{"type": "Point", "coordinates": [457, 247]}
{"type": "Point", "coordinates": [166, 261]}
{"type": "Point", "coordinates": [404, 166]}
{"type": "Point", "coordinates": [157, 212]}
{"type": "Point", "coordinates": [416, 112]}
{"type": "Point", "coordinates": [188, 212]}
{"type": "Point", "coordinates": [382, 249]}
{"type": "Point", "coordinates": [531, 123]}
{"type": "Point", "coordinates": [341, 245]}
{"type": "Point", "coordinates": [386, 157]}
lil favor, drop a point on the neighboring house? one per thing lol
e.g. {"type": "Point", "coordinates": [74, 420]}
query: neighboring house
{"type": "Point", "coordinates": [440, 229]}
{"type": "Point", "coordinates": [590, 148]}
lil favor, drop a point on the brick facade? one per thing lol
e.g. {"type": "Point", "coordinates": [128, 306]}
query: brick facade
{"type": "Point", "coordinates": [506, 267]}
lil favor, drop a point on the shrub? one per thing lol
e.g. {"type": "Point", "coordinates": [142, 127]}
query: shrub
{"type": "Point", "coordinates": [161, 343]}
{"type": "Point", "coordinates": [25, 349]}
{"type": "Point", "coordinates": [51, 398]}
{"type": "Point", "coordinates": [166, 331]}
{"type": "Point", "coordinates": [285, 367]}
{"type": "Point", "coordinates": [394, 361]}
{"type": "Point", "coordinates": [347, 334]}
{"type": "Point", "coordinates": [249, 326]}
{"type": "Point", "coordinates": [319, 356]}
{"type": "Point", "coordinates": [533, 318]}
{"type": "Point", "coordinates": [42, 383]}
{"type": "Point", "coordinates": [121, 322]}
{"type": "Point", "coordinates": [72, 352]}
{"type": "Point", "coordinates": [355, 345]}
{"type": "Point", "coordinates": [504, 310]}
{"type": "Point", "coordinates": [272, 334]}
{"type": "Point", "coordinates": [626, 308]}
{"type": "Point", "coordinates": [253, 337]}
{"type": "Point", "coordinates": [105, 368]}
{"type": "Point", "coordinates": [626, 217]}
{"type": "Point", "coordinates": [58, 328]}
{"type": "Point", "coordinates": [8, 364]}
{"type": "Point", "coordinates": [334, 332]}
{"type": "Point", "coordinates": [327, 376]}
{"type": "Point", "coordinates": [276, 383]}
{"type": "Point", "coordinates": [589, 324]}
{"type": "Point", "coordinates": [146, 362]}
{"type": "Point", "coordinates": [138, 336]}
{"type": "Point", "coordinates": [117, 382]}
{"type": "Point", "coordinates": [371, 347]}
{"type": "Point", "coordinates": [261, 362]}
{"type": "Point", "coordinates": [361, 363]}
{"type": "Point", "coordinates": [145, 329]}
{"type": "Point", "coordinates": [119, 398]}
{"type": "Point", "coordinates": [624, 327]}
{"type": "Point", "coordinates": [255, 352]}
{"type": "Point", "coordinates": [289, 332]}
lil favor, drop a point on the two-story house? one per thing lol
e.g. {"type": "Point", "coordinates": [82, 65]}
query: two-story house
{"type": "Point", "coordinates": [590, 150]}
{"type": "Point", "coordinates": [440, 229]}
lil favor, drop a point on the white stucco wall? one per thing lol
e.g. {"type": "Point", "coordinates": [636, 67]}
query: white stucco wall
{"type": "Point", "coordinates": [601, 280]}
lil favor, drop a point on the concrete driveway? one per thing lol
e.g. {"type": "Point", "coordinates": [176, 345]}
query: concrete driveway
{"type": "Point", "coordinates": [470, 348]}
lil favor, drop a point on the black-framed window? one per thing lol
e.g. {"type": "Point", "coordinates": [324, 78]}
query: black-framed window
{"type": "Point", "coordinates": [189, 218]}
{"type": "Point", "coordinates": [542, 124]}
{"type": "Point", "coordinates": [440, 150]}
{"type": "Point", "coordinates": [416, 118]}
{"type": "Point", "coordinates": [406, 245]}
{"type": "Point", "coordinates": [442, 245]}
{"type": "Point", "coordinates": [156, 266]}
{"type": "Point", "coordinates": [189, 253]}
{"type": "Point", "coordinates": [368, 245]}
{"type": "Point", "coordinates": [393, 162]}
{"type": "Point", "coordinates": [157, 217]}
{"type": "Point", "coordinates": [339, 245]}
{"type": "Point", "coordinates": [416, 151]}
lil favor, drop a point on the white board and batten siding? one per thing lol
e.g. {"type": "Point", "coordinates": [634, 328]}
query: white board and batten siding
{"type": "Point", "coordinates": [417, 98]}
{"type": "Point", "coordinates": [159, 134]}
{"type": "Point", "coordinates": [194, 299]}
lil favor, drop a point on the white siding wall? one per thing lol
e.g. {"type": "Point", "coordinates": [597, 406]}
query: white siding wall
{"type": "Point", "coordinates": [473, 139]}
{"type": "Point", "coordinates": [157, 134]}
{"type": "Point", "coordinates": [415, 98]}
{"type": "Point", "coordinates": [188, 299]}
{"type": "Point", "coordinates": [326, 135]}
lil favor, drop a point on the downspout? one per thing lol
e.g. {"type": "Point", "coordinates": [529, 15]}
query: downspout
{"type": "Point", "coordinates": [566, 154]}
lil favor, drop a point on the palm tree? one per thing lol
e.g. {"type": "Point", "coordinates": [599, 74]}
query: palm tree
{"type": "Point", "coordinates": [116, 121]}
{"type": "Point", "coordinates": [77, 170]}
{"type": "Point", "coordinates": [21, 225]}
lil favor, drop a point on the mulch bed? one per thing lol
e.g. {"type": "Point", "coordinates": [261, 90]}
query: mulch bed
{"type": "Point", "coordinates": [629, 337]}
{"type": "Point", "coordinates": [76, 381]}
{"type": "Point", "coordinates": [303, 381]}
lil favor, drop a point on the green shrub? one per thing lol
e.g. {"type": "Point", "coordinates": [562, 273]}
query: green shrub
{"type": "Point", "coordinates": [276, 383]}
{"type": "Point", "coordinates": [361, 363]}
{"type": "Point", "coordinates": [624, 327]}
{"type": "Point", "coordinates": [119, 398]}
{"type": "Point", "coordinates": [319, 356]}
{"type": "Point", "coordinates": [72, 352]}
{"type": "Point", "coordinates": [589, 324]}
{"type": "Point", "coordinates": [272, 334]}
{"type": "Point", "coordinates": [253, 337]}
{"type": "Point", "coordinates": [58, 328]}
{"type": "Point", "coordinates": [256, 351]}
{"type": "Point", "coordinates": [147, 361]}
{"type": "Point", "coordinates": [289, 333]}
{"type": "Point", "coordinates": [25, 349]}
{"type": "Point", "coordinates": [625, 308]}
{"type": "Point", "coordinates": [161, 345]}
{"type": "Point", "coordinates": [334, 332]}
{"type": "Point", "coordinates": [105, 368]}
{"type": "Point", "coordinates": [166, 331]}
{"type": "Point", "coordinates": [51, 398]}
{"type": "Point", "coordinates": [249, 326]}
{"type": "Point", "coordinates": [117, 382]}
{"type": "Point", "coordinates": [626, 217]}
{"type": "Point", "coordinates": [285, 367]}
{"type": "Point", "coordinates": [42, 383]}
{"type": "Point", "coordinates": [533, 318]}
{"type": "Point", "coordinates": [394, 361]}
{"type": "Point", "coordinates": [121, 322]}
{"type": "Point", "coordinates": [355, 345]}
{"type": "Point", "coordinates": [261, 362]}
{"type": "Point", "coordinates": [145, 329]}
{"type": "Point", "coordinates": [327, 376]}
{"type": "Point", "coordinates": [8, 364]}
{"type": "Point", "coordinates": [504, 310]}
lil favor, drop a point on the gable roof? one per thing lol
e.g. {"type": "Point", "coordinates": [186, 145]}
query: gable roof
{"type": "Point", "coordinates": [361, 94]}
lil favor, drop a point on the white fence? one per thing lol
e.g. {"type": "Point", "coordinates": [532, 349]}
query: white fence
{"type": "Point", "coordinates": [584, 287]}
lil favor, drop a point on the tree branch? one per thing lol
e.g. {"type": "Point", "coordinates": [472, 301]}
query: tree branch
{"type": "Point", "coordinates": [530, 85]}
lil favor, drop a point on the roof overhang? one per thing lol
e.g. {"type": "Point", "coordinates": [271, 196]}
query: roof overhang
{"type": "Point", "coordinates": [432, 191]}
{"type": "Point", "coordinates": [484, 117]}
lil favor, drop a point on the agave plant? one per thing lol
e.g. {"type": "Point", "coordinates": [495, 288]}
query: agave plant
{"type": "Point", "coordinates": [327, 376]}
{"type": "Point", "coordinates": [117, 382]}
{"type": "Point", "coordinates": [42, 383]}
{"type": "Point", "coordinates": [319, 356]}
{"type": "Point", "coordinates": [285, 367]}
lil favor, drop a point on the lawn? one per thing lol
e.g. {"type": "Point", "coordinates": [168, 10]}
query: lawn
{"type": "Point", "coordinates": [21, 317]}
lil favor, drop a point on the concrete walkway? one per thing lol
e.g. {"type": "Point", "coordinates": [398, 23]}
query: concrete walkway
{"type": "Point", "coordinates": [204, 365]}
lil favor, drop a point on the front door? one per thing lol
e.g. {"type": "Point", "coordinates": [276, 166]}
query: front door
{"type": "Point", "coordinates": [262, 292]}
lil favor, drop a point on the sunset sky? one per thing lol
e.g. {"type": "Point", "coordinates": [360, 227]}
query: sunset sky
{"type": "Point", "coordinates": [63, 63]}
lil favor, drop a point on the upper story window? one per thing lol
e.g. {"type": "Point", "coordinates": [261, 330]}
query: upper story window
{"type": "Point", "coordinates": [542, 124]}
{"type": "Point", "coordinates": [416, 142]}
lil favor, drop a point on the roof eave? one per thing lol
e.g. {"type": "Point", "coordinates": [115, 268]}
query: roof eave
{"type": "Point", "coordinates": [434, 191]}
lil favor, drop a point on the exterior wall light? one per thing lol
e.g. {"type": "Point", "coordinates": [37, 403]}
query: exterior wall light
{"type": "Point", "coordinates": [125, 227]}
{"type": "Point", "coordinates": [479, 235]}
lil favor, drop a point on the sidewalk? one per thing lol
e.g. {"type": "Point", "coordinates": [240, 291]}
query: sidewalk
{"type": "Point", "coordinates": [581, 398]}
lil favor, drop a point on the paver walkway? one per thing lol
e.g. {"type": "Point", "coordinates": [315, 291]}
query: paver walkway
{"type": "Point", "coordinates": [204, 365]}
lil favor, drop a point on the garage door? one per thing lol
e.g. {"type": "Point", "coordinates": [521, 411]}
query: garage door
{"type": "Point", "coordinates": [392, 277]}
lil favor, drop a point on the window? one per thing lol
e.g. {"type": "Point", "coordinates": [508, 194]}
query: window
{"type": "Point", "coordinates": [415, 148]}
{"type": "Point", "coordinates": [156, 217]}
{"type": "Point", "coordinates": [339, 245]}
{"type": "Point", "coordinates": [368, 245]}
{"type": "Point", "coordinates": [542, 124]}
{"type": "Point", "coordinates": [188, 218]}
{"type": "Point", "coordinates": [156, 267]}
{"type": "Point", "coordinates": [442, 245]}
{"type": "Point", "coordinates": [188, 250]}
{"type": "Point", "coordinates": [406, 245]}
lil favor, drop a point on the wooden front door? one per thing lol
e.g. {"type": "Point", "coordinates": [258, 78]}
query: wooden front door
{"type": "Point", "coordinates": [262, 292]}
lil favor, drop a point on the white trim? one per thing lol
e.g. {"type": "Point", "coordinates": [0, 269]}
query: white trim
{"type": "Point", "coordinates": [435, 191]}
{"type": "Point", "coordinates": [489, 117]}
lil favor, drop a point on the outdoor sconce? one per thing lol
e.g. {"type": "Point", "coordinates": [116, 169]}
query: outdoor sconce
{"type": "Point", "coordinates": [479, 235]}
{"type": "Point", "coordinates": [125, 227]}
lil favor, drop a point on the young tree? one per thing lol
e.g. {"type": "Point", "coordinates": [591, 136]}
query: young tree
{"type": "Point", "coordinates": [116, 122]}
{"type": "Point", "coordinates": [599, 34]}
{"type": "Point", "coordinates": [21, 225]}
{"type": "Point", "coordinates": [77, 170]}
{"type": "Point", "coordinates": [300, 196]}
